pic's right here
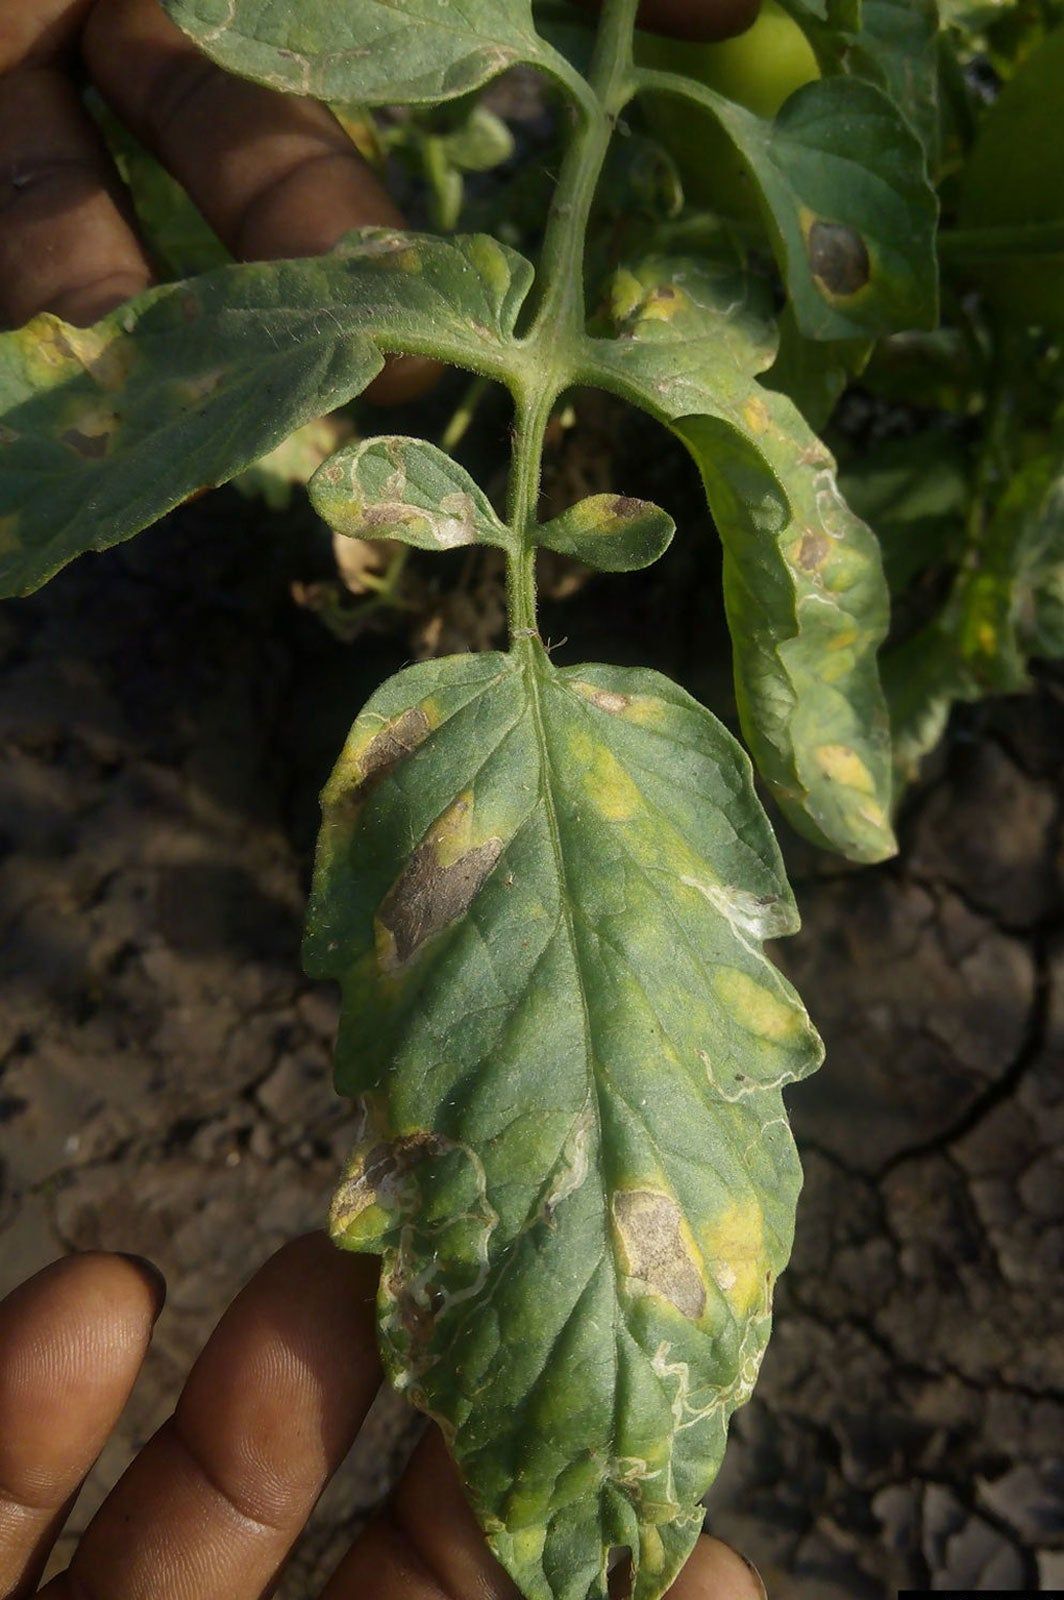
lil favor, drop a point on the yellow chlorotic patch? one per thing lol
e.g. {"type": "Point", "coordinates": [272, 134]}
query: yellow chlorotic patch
{"type": "Point", "coordinates": [651, 1550]}
{"type": "Point", "coordinates": [845, 766]}
{"type": "Point", "coordinates": [757, 1008]}
{"type": "Point", "coordinates": [9, 539]}
{"type": "Point", "coordinates": [755, 413]}
{"type": "Point", "coordinates": [626, 293]}
{"type": "Point", "coordinates": [103, 352]}
{"type": "Point", "coordinates": [527, 1545]}
{"type": "Point", "coordinates": [734, 1249]}
{"type": "Point", "coordinates": [604, 781]}
{"type": "Point", "coordinates": [663, 303]}
{"type": "Point", "coordinates": [647, 711]}
{"type": "Point", "coordinates": [986, 635]}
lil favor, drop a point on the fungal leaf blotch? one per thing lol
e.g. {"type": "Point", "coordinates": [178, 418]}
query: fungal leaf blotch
{"type": "Point", "coordinates": [806, 598]}
{"type": "Point", "coordinates": [841, 180]}
{"type": "Point", "coordinates": [395, 488]}
{"type": "Point", "coordinates": [655, 1251]}
{"type": "Point", "coordinates": [108, 428]}
{"type": "Point", "coordinates": [613, 533]}
{"type": "Point", "coordinates": [838, 257]}
{"type": "Point", "coordinates": [580, 1217]}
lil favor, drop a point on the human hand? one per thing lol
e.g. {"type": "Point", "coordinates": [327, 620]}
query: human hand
{"type": "Point", "coordinates": [212, 1505]}
{"type": "Point", "coordinates": [274, 175]}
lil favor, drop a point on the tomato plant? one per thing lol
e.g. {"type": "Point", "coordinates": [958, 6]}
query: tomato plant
{"type": "Point", "coordinates": [544, 893]}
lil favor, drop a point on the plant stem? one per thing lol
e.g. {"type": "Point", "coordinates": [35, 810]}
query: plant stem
{"type": "Point", "coordinates": [557, 328]}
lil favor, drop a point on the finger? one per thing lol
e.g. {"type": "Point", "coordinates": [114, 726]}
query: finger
{"type": "Point", "coordinates": [274, 175]}
{"type": "Point", "coordinates": [425, 1545]}
{"type": "Point", "coordinates": [693, 19]}
{"type": "Point", "coordinates": [72, 1341]}
{"type": "Point", "coordinates": [717, 1572]}
{"type": "Point", "coordinates": [38, 30]}
{"type": "Point", "coordinates": [65, 245]}
{"type": "Point", "coordinates": [215, 1500]}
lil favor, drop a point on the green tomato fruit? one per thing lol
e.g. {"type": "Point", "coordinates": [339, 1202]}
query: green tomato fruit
{"type": "Point", "coordinates": [1014, 177]}
{"type": "Point", "coordinates": [760, 70]}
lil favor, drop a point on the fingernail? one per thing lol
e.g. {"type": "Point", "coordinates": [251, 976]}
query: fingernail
{"type": "Point", "coordinates": [152, 1277]}
{"type": "Point", "coordinates": [756, 1575]}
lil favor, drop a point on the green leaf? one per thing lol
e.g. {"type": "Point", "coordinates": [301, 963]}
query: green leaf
{"type": "Point", "coordinates": [610, 532]}
{"type": "Point", "coordinates": [804, 589]}
{"type": "Point", "coordinates": [813, 372]}
{"type": "Point", "coordinates": [372, 51]}
{"type": "Point", "coordinates": [481, 142]}
{"type": "Point", "coordinates": [1005, 605]}
{"type": "Point", "coordinates": [893, 44]}
{"type": "Point", "coordinates": [1011, 183]}
{"type": "Point", "coordinates": [389, 487]}
{"type": "Point", "coordinates": [914, 493]}
{"type": "Point", "coordinates": [103, 430]}
{"type": "Point", "coordinates": [543, 894]}
{"type": "Point", "coordinates": [843, 187]}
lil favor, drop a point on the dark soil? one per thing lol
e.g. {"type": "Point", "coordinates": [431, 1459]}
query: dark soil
{"type": "Point", "coordinates": [166, 715]}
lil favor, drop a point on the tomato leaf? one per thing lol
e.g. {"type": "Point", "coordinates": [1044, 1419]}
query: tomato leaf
{"type": "Point", "coordinates": [842, 183]}
{"type": "Point", "coordinates": [105, 429]}
{"type": "Point", "coordinates": [804, 588]}
{"type": "Point", "coordinates": [371, 51]}
{"type": "Point", "coordinates": [389, 487]}
{"type": "Point", "coordinates": [543, 893]}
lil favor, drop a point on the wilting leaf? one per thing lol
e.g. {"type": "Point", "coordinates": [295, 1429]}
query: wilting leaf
{"type": "Point", "coordinates": [804, 588]}
{"type": "Point", "coordinates": [372, 51]}
{"type": "Point", "coordinates": [610, 532]}
{"type": "Point", "coordinates": [543, 894]}
{"type": "Point", "coordinates": [842, 183]}
{"type": "Point", "coordinates": [389, 487]}
{"type": "Point", "coordinates": [102, 430]}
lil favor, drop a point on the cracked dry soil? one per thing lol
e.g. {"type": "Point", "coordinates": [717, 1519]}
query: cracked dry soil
{"type": "Point", "coordinates": [165, 720]}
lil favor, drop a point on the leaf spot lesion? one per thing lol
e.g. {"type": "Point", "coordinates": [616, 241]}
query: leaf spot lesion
{"type": "Point", "coordinates": [656, 1254]}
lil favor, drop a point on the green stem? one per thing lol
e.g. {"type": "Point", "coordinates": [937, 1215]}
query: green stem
{"type": "Point", "coordinates": [557, 329]}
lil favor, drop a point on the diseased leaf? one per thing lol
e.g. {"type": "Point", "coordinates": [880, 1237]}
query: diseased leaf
{"type": "Point", "coordinates": [103, 430]}
{"type": "Point", "coordinates": [806, 599]}
{"type": "Point", "coordinates": [842, 183]}
{"type": "Point", "coordinates": [610, 532]}
{"type": "Point", "coordinates": [389, 487]}
{"type": "Point", "coordinates": [543, 894]}
{"type": "Point", "coordinates": [372, 51]}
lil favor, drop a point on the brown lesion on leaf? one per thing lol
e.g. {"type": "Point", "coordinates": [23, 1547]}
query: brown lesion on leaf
{"type": "Point", "coordinates": [838, 257]}
{"type": "Point", "coordinates": [435, 888]}
{"type": "Point", "coordinates": [656, 1253]}
{"type": "Point", "coordinates": [812, 550]}
{"type": "Point", "coordinates": [625, 508]}
{"type": "Point", "coordinates": [395, 741]}
{"type": "Point", "coordinates": [92, 432]}
{"type": "Point", "coordinates": [605, 699]}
